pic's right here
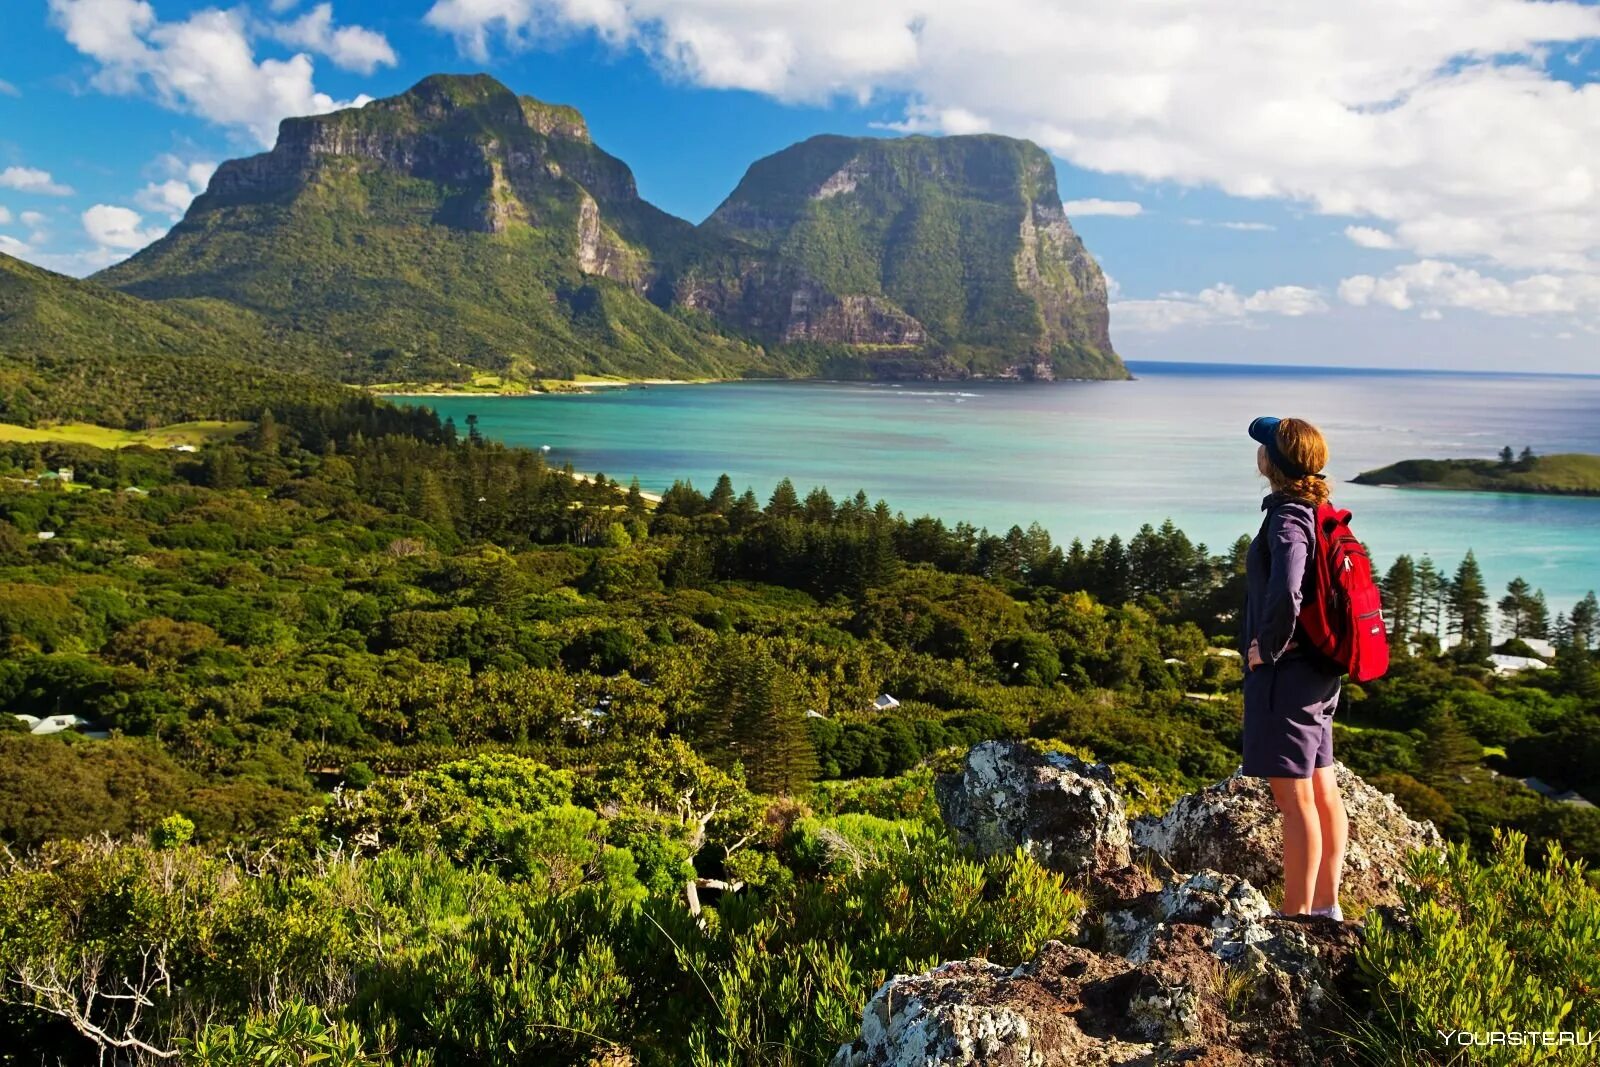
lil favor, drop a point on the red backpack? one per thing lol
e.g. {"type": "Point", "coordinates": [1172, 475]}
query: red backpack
{"type": "Point", "coordinates": [1344, 619]}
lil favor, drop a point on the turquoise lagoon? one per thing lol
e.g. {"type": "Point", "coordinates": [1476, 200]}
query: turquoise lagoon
{"type": "Point", "coordinates": [1088, 459]}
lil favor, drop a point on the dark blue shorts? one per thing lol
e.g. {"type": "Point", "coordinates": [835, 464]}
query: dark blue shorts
{"type": "Point", "coordinates": [1288, 718]}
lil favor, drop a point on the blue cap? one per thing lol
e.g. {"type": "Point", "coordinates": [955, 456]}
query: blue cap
{"type": "Point", "coordinates": [1265, 430]}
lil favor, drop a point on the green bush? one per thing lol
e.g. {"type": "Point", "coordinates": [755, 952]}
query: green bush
{"type": "Point", "coordinates": [1487, 946]}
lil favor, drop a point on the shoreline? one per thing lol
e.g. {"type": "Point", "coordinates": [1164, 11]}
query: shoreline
{"type": "Point", "coordinates": [584, 476]}
{"type": "Point", "coordinates": [578, 388]}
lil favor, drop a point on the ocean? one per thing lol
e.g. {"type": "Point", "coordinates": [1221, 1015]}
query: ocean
{"type": "Point", "coordinates": [1088, 459]}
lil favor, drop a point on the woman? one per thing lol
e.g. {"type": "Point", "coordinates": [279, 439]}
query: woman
{"type": "Point", "coordinates": [1290, 690]}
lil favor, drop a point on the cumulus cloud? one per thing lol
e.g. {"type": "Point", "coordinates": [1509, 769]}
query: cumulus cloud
{"type": "Point", "coordinates": [32, 218]}
{"type": "Point", "coordinates": [5, 215]}
{"type": "Point", "coordinates": [1437, 119]}
{"type": "Point", "coordinates": [182, 182]}
{"type": "Point", "coordinates": [1221, 304]}
{"type": "Point", "coordinates": [32, 180]}
{"type": "Point", "coordinates": [1119, 208]}
{"type": "Point", "coordinates": [120, 228]}
{"type": "Point", "coordinates": [204, 65]}
{"type": "Point", "coordinates": [350, 47]}
{"type": "Point", "coordinates": [13, 247]}
{"type": "Point", "coordinates": [1435, 284]}
{"type": "Point", "coordinates": [1370, 237]}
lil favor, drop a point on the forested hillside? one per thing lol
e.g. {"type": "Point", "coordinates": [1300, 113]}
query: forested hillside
{"type": "Point", "coordinates": [411, 749]}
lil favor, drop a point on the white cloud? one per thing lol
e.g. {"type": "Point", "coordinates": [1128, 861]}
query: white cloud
{"type": "Point", "coordinates": [1438, 120]}
{"type": "Point", "coordinates": [5, 215]}
{"type": "Point", "coordinates": [1220, 304]}
{"type": "Point", "coordinates": [13, 247]}
{"type": "Point", "coordinates": [1435, 284]}
{"type": "Point", "coordinates": [120, 228]}
{"type": "Point", "coordinates": [280, 6]}
{"type": "Point", "coordinates": [1370, 237]}
{"type": "Point", "coordinates": [32, 218]}
{"type": "Point", "coordinates": [183, 182]}
{"type": "Point", "coordinates": [204, 65]}
{"type": "Point", "coordinates": [1251, 227]}
{"type": "Point", "coordinates": [1120, 208]}
{"type": "Point", "coordinates": [350, 47]}
{"type": "Point", "coordinates": [32, 180]}
{"type": "Point", "coordinates": [7, 89]}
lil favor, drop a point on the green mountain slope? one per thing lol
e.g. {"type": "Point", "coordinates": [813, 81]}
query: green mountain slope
{"type": "Point", "coordinates": [966, 235]}
{"type": "Point", "coordinates": [460, 227]}
{"type": "Point", "coordinates": [73, 350]}
{"type": "Point", "coordinates": [455, 224]}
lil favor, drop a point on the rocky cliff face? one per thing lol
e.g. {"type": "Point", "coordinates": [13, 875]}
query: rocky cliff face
{"type": "Point", "coordinates": [458, 224]}
{"type": "Point", "coordinates": [1170, 967]}
{"type": "Point", "coordinates": [965, 236]}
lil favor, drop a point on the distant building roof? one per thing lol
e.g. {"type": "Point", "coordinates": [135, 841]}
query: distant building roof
{"type": "Point", "coordinates": [1574, 798]}
{"type": "Point", "coordinates": [1225, 653]}
{"type": "Point", "coordinates": [1504, 664]}
{"type": "Point", "coordinates": [55, 724]}
{"type": "Point", "coordinates": [47, 535]}
{"type": "Point", "coordinates": [1540, 646]}
{"type": "Point", "coordinates": [1540, 786]}
{"type": "Point", "coordinates": [813, 713]}
{"type": "Point", "coordinates": [885, 702]}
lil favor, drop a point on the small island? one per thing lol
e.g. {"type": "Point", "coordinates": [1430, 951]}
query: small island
{"type": "Point", "coordinates": [1564, 474]}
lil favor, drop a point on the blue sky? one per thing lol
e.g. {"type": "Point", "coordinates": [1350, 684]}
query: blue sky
{"type": "Point", "coordinates": [1366, 186]}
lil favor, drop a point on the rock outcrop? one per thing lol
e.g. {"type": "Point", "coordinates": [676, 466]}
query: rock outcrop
{"type": "Point", "coordinates": [1259, 1005]}
{"type": "Point", "coordinates": [1191, 968]}
{"type": "Point", "coordinates": [1065, 813]}
{"type": "Point", "coordinates": [1235, 828]}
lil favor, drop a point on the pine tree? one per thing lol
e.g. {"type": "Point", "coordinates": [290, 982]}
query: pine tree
{"type": "Point", "coordinates": [745, 510]}
{"type": "Point", "coordinates": [1584, 622]}
{"type": "Point", "coordinates": [819, 506]}
{"type": "Point", "coordinates": [1514, 606]}
{"type": "Point", "coordinates": [1448, 750]}
{"type": "Point", "coordinates": [1507, 456]}
{"type": "Point", "coordinates": [1399, 591]}
{"type": "Point", "coordinates": [760, 705]}
{"type": "Point", "coordinates": [1538, 622]}
{"type": "Point", "coordinates": [785, 502]}
{"type": "Point", "coordinates": [1430, 591]}
{"type": "Point", "coordinates": [722, 496]}
{"type": "Point", "coordinates": [1469, 608]}
{"type": "Point", "coordinates": [636, 505]}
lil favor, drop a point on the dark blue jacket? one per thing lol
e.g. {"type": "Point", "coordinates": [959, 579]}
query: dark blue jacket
{"type": "Point", "coordinates": [1277, 578]}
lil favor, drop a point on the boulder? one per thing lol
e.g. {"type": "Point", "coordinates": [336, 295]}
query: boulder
{"type": "Point", "coordinates": [1259, 1003]}
{"type": "Point", "coordinates": [1065, 813]}
{"type": "Point", "coordinates": [1233, 827]}
{"type": "Point", "coordinates": [1230, 907]}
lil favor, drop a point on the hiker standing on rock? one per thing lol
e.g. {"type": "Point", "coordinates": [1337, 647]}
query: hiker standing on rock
{"type": "Point", "coordinates": [1290, 688]}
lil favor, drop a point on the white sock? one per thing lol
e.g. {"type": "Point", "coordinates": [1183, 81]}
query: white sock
{"type": "Point", "coordinates": [1330, 912]}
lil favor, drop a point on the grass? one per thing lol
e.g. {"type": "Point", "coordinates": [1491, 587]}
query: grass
{"type": "Point", "coordinates": [199, 433]}
{"type": "Point", "coordinates": [1570, 473]}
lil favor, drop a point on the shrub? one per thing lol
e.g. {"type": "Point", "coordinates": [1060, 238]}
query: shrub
{"type": "Point", "coordinates": [1499, 945]}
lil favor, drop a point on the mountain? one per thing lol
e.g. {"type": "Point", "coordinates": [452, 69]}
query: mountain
{"type": "Point", "coordinates": [459, 226]}
{"type": "Point", "coordinates": [73, 350]}
{"type": "Point", "coordinates": [454, 224]}
{"type": "Point", "coordinates": [959, 243]}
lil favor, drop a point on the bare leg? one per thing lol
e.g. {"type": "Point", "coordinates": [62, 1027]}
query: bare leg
{"type": "Point", "coordinates": [1302, 841]}
{"type": "Point", "coordinates": [1335, 833]}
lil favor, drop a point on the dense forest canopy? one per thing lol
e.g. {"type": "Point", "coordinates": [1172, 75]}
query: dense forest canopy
{"type": "Point", "coordinates": [411, 748]}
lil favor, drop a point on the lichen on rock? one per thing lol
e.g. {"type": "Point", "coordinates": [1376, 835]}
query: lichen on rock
{"type": "Point", "coordinates": [1065, 813]}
